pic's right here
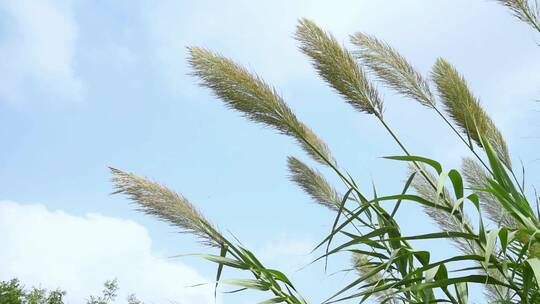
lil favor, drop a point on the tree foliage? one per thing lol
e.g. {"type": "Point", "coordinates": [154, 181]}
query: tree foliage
{"type": "Point", "coordinates": [13, 292]}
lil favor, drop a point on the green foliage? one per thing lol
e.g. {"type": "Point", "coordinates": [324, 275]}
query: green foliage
{"type": "Point", "coordinates": [108, 294]}
{"type": "Point", "coordinates": [505, 260]}
{"type": "Point", "coordinates": [10, 292]}
{"type": "Point", "coordinates": [13, 292]}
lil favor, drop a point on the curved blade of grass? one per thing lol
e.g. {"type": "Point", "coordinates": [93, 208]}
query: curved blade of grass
{"type": "Point", "coordinates": [249, 284]}
{"type": "Point", "coordinates": [332, 233]}
{"type": "Point", "coordinates": [222, 254]}
{"type": "Point", "coordinates": [405, 188]}
{"type": "Point", "coordinates": [432, 163]}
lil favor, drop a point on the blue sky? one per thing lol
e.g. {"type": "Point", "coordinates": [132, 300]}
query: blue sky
{"type": "Point", "coordinates": [90, 84]}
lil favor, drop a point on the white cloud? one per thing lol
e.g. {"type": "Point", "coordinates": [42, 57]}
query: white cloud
{"type": "Point", "coordinates": [56, 249]}
{"type": "Point", "coordinates": [37, 48]}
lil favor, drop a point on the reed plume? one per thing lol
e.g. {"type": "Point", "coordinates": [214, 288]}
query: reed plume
{"type": "Point", "coordinates": [450, 223]}
{"type": "Point", "coordinates": [157, 200]}
{"type": "Point", "coordinates": [363, 266]}
{"type": "Point", "coordinates": [338, 68]}
{"type": "Point", "coordinates": [313, 183]}
{"type": "Point", "coordinates": [465, 109]}
{"type": "Point", "coordinates": [444, 220]}
{"type": "Point", "coordinates": [392, 68]}
{"type": "Point", "coordinates": [254, 98]}
{"type": "Point", "coordinates": [527, 11]}
{"type": "Point", "coordinates": [477, 178]}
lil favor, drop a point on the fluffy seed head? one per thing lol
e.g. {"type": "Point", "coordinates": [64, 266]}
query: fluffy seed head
{"type": "Point", "coordinates": [313, 183]}
{"type": "Point", "coordinates": [392, 68]}
{"type": "Point", "coordinates": [527, 11]}
{"type": "Point", "coordinates": [156, 200]}
{"type": "Point", "coordinates": [255, 99]}
{"type": "Point", "coordinates": [465, 109]}
{"type": "Point", "coordinates": [446, 222]}
{"type": "Point", "coordinates": [477, 178]}
{"type": "Point", "coordinates": [363, 265]}
{"type": "Point", "coordinates": [338, 68]}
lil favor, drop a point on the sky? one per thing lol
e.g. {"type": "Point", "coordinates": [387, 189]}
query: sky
{"type": "Point", "coordinates": [85, 85]}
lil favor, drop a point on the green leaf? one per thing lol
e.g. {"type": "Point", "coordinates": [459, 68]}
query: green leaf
{"type": "Point", "coordinates": [405, 188]}
{"type": "Point", "coordinates": [333, 232]}
{"type": "Point", "coordinates": [457, 204]}
{"type": "Point", "coordinates": [273, 300]}
{"type": "Point", "coordinates": [462, 292]}
{"type": "Point", "coordinates": [224, 261]}
{"type": "Point", "coordinates": [432, 163]}
{"type": "Point", "coordinates": [280, 276]}
{"type": "Point", "coordinates": [535, 266]}
{"type": "Point", "coordinates": [431, 273]}
{"type": "Point", "coordinates": [353, 216]}
{"type": "Point", "coordinates": [371, 253]}
{"type": "Point", "coordinates": [437, 235]}
{"type": "Point", "coordinates": [248, 283]}
{"type": "Point", "coordinates": [422, 257]}
{"type": "Point", "coordinates": [442, 273]}
{"type": "Point", "coordinates": [358, 240]}
{"type": "Point", "coordinates": [222, 254]}
{"type": "Point", "coordinates": [503, 238]}
{"type": "Point", "coordinates": [490, 244]}
{"type": "Point", "coordinates": [457, 183]}
{"type": "Point", "coordinates": [440, 185]}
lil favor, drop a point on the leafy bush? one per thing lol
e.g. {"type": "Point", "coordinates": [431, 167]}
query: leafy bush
{"type": "Point", "coordinates": [504, 259]}
{"type": "Point", "coordinates": [13, 292]}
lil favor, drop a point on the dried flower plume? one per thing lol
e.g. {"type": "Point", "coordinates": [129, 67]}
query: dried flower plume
{"type": "Point", "coordinates": [392, 68]}
{"type": "Point", "coordinates": [451, 223]}
{"type": "Point", "coordinates": [441, 217]}
{"type": "Point", "coordinates": [465, 109]}
{"type": "Point", "coordinates": [157, 200]}
{"type": "Point", "coordinates": [337, 66]}
{"type": "Point", "coordinates": [527, 11]}
{"type": "Point", "coordinates": [477, 178]}
{"type": "Point", "coordinates": [363, 266]}
{"type": "Point", "coordinates": [254, 98]}
{"type": "Point", "coordinates": [313, 183]}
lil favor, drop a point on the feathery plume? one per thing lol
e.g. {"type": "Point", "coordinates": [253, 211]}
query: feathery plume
{"type": "Point", "coordinates": [313, 183]}
{"type": "Point", "coordinates": [527, 11]}
{"type": "Point", "coordinates": [451, 223]}
{"type": "Point", "coordinates": [254, 98]}
{"type": "Point", "coordinates": [447, 223]}
{"type": "Point", "coordinates": [337, 66]}
{"type": "Point", "coordinates": [392, 68]}
{"type": "Point", "coordinates": [363, 265]}
{"type": "Point", "coordinates": [466, 110]}
{"type": "Point", "coordinates": [156, 200]}
{"type": "Point", "coordinates": [477, 178]}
